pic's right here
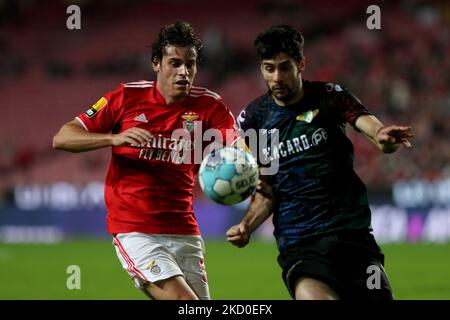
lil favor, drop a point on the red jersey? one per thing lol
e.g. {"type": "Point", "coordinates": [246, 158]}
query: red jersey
{"type": "Point", "coordinates": [149, 189]}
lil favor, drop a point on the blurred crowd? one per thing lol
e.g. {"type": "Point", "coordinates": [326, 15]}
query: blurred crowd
{"type": "Point", "coordinates": [401, 73]}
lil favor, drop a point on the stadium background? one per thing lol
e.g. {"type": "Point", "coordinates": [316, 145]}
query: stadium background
{"type": "Point", "coordinates": [51, 202]}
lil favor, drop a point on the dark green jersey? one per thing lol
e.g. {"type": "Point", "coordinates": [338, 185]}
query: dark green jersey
{"type": "Point", "coordinates": [317, 191]}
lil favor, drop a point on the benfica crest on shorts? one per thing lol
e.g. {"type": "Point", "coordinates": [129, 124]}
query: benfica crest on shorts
{"type": "Point", "coordinates": [189, 118]}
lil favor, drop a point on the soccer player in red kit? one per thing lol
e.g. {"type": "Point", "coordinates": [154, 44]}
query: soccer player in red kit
{"type": "Point", "coordinates": [149, 188]}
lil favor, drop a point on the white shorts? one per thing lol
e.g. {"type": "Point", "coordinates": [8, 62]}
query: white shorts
{"type": "Point", "coordinates": [155, 257]}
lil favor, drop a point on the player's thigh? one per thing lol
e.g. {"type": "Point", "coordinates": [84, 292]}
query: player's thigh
{"type": "Point", "coordinates": [310, 260]}
{"type": "Point", "coordinates": [367, 280]}
{"type": "Point", "coordinates": [363, 269]}
{"type": "Point", "coordinates": [190, 254]}
{"type": "Point", "coordinates": [148, 260]}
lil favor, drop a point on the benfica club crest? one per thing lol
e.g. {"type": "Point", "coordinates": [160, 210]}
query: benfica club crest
{"type": "Point", "coordinates": [189, 118]}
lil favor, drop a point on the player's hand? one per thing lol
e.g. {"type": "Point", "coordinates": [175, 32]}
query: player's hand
{"type": "Point", "coordinates": [133, 137]}
{"type": "Point", "coordinates": [391, 137]}
{"type": "Point", "coordinates": [238, 235]}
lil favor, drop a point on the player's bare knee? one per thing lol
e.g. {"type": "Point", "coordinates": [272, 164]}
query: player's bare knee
{"type": "Point", "coordinates": [311, 289]}
{"type": "Point", "coordinates": [174, 288]}
{"type": "Point", "coordinates": [157, 293]}
{"type": "Point", "coordinates": [185, 296]}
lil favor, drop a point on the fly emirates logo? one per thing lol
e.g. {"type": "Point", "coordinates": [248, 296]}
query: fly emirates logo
{"type": "Point", "coordinates": [166, 149]}
{"type": "Point", "coordinates": [190, 145]}
{"type": "Point", "coordinates": [185, 145]}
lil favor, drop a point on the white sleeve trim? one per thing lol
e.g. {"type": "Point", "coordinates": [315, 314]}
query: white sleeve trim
{"type": "Point", "coordinates": [82, 123]}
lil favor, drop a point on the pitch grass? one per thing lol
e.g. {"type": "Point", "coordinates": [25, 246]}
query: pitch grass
{"type": "Point", "coordinates": [36, 271]}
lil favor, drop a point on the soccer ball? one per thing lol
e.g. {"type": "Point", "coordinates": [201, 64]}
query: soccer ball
{"type": "Point", "coordinates": [228, 175]}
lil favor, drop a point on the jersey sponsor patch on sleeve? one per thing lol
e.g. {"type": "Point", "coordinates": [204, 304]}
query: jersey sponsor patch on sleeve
{"type": "Point", "coordinates": [96, 107]}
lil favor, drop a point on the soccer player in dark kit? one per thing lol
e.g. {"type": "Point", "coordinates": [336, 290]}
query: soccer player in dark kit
{"type": "Point", "coordinates": [320, 208]}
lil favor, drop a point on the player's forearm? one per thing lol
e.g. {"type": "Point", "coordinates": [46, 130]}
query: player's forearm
{"type": "Point", "coordinates": [258, 212]}
{"type": "Point", "coordinates": [369, 125]}
{"type": "Point", "coordinates": [73, 138]}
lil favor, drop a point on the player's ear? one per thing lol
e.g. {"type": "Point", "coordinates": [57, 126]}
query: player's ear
{"type": "Point", "coordinates": [301, 64]}
{"type": "Point", "coordinates": [156, 65]}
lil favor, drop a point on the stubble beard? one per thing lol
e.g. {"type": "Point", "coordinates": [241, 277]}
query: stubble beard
{"type": "Point", "coordinates": [291, 92]}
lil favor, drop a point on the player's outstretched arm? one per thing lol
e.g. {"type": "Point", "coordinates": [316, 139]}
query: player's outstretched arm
{"type": "Point", "coordinates": [259, 210]}
{"type": "Point", "coordinates": [73, 137]}
{"type": "Point", "coordinates": [388, 139]}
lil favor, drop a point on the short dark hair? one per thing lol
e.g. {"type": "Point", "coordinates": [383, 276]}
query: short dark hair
{"type": "Point", "coordinates": [278, 39]}
{"type": "Point", "coordinates": [178, 34]}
